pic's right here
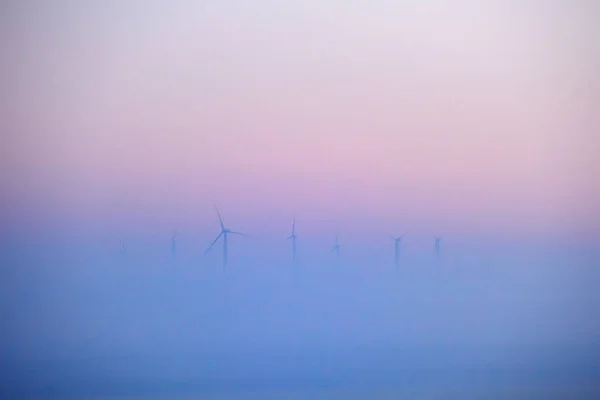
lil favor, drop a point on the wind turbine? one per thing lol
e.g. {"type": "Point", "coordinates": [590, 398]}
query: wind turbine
{"type": "Point", "coordinates": [336, 247]}
{"type": "Point", "coordinates": [224, 232]}
{"type": "Point", "coordinates": [123, 249]}
{"type": "Point", "coordinates": [174, 243]}
{"type": "Point", "coordinates": [292, 237]}
{"type": "Point", "coordinates": [397, 240]}
{"type": "Point", "coordinates": [436, 246]}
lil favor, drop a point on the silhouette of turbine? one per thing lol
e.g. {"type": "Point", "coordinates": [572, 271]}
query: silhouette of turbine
{"type": "Point", "coordinates": [436, 246]}
{"type": "Point", "coordinates": [336, 247]}
{"type": "Point", "coordinates": [224, 232]}
{"type": "Point", "coordinates": [123, 249]}
{"type": "Point", "coordinates": [292, 237]}
{"type": "Point", "coordinates": [397, 240]}
{"type": "Point", "coordinates": [174, 243]}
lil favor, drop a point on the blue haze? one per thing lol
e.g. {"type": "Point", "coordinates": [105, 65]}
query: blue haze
{"type": "Point", "coordinates": [87, 321]}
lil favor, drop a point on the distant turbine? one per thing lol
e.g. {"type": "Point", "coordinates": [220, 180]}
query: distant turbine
{"type": "Point", "coordinates": [292, 237]}
{"type": "Point", "coordinates": [336, 247]}
{"type": "Point", "coordinates": [174, 244]}
{"type": "Point", "coordinates": [436, 246]}
{"type": "Point", "coordinates": [123, 249]}
{"type": "Point", "coordinates": [224, 233]}
{"type": "Point", "coordinates": [397, 240]}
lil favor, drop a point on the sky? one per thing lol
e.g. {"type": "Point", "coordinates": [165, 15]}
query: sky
{"type": "Point", "coordinates": [126, 120]}
{"type": "Point", "coordinates": [455, 117]}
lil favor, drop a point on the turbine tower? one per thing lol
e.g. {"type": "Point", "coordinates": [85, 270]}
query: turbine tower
{"type": "Point", "coordinates": [224, 232]}
{"type": "Point", "coordinates": [336, 247]}
{"type": "Point", "coordinates": [397, 240]}
{"type": "Point", "coordinates": [123, 249]}
{"type": "Point", "coordinates": [436, 246]}
{"type": "Point", "coordinates": [174, 244]}
{"type": "Point", "coordinates": [292, 237]}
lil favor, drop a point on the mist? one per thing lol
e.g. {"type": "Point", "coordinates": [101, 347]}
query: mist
{"type": "Point", "coordinates": [104, 323]}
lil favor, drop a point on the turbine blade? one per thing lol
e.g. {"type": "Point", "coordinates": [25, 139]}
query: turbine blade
{"type": "Point", "coordinates": [238, 233]}
{"type": "Point", "coordinates": [220, 219]}
{"type": "Point", "coordinates": [290, 237]}
{"type": "Point", "coordinates": [213, 243]}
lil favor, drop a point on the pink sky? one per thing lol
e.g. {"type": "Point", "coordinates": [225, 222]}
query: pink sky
{"type": "Point", "coordinates": [465, 115]}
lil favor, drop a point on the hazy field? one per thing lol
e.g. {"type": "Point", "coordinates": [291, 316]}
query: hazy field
{"type": "Point", "coordinates": [100, 328]}
{"type": "Point", "coordinates": [547, 392]}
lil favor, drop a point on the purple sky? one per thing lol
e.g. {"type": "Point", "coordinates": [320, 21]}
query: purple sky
{"type": "Point", "coordinates": [463, 116]}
